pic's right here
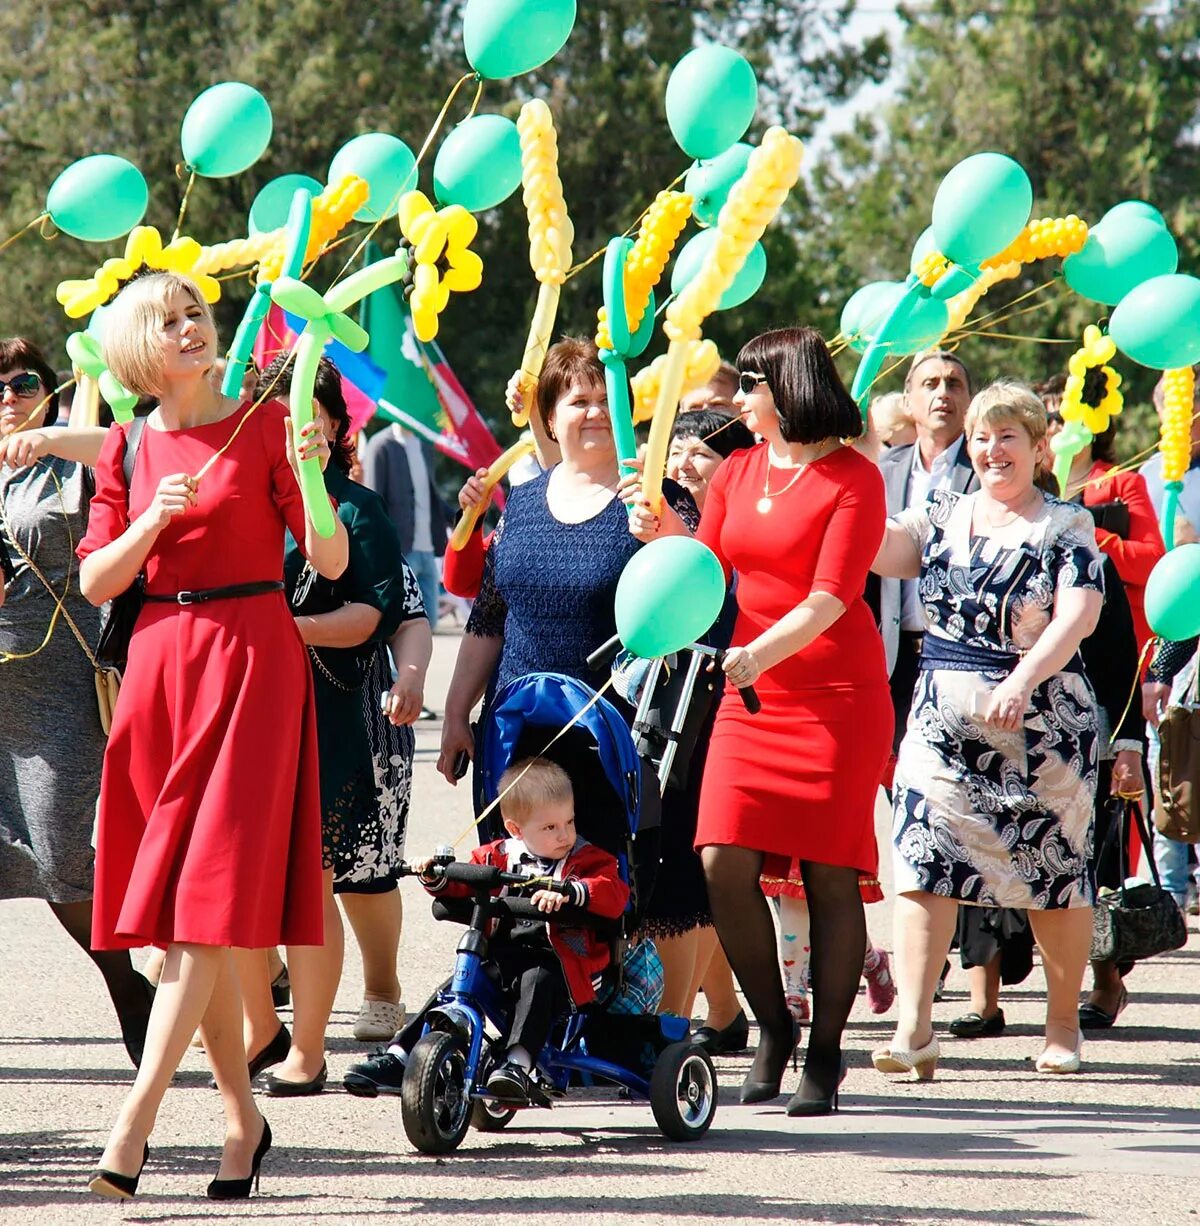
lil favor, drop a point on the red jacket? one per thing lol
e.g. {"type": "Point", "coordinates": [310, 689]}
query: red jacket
{"type": "Point", "coordinates": [581, 951]}
{"type": "Point", "coordinates": [1135, 557]}
{"type": "Point", "coordinates": [462, 569]}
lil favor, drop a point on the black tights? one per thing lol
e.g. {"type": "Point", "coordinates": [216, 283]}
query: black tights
{"type": "Point", "coordinates": [130, 993]}
{"type": "Point", "coordinates": [838, 931]}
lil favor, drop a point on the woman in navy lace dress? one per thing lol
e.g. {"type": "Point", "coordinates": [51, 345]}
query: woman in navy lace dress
{"type": "Point", "coordinates": [552, 566]}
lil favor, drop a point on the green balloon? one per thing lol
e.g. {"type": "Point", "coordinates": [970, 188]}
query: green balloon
{"type": "Point", "coordinates": [226, 130]}
{"type": "Point", "coordinates": [709, 183]}
{"type": "Point", "coordinates": [1173, 594]}
{"type": "Point", "coordinates": [866, 309]}
{"type": "Point", "coordinates": [712, 95]}
{"type": "Point", "coordinates": [1136, 208]}
{"type": "Point", "coordinates": [745, 285]}
{"type": "Point", "coordinates": [479, 163]}
{"type": "Point", "coordinates": [98, 198]}
{"type": "Point", "coordinates": [980, 207]}
{"type": "Point", "coordinates": [669, 594]}
{"type": "Point", "coordinates": [386, 163]}
{"type": "Point", "coordinates": [1158, 322]}
{"type": "Point", "coordinates": [505, 38]}
{"type": "Point", "coordinates": [921, 327]}
{"type": "Point", "coordinates": [274, 202]}
{"type": "Point", "coordinates": [1123, 249]}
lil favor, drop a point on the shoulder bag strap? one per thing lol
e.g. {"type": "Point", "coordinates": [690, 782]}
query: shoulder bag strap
{"type": "Point", "coordinates": [1134, 811]}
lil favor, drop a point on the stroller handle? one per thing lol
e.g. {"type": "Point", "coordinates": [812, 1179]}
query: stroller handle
{"type": "Point", "coordinates": [483, 876]}
{"type": "Point", "coordinates": [606, 653]}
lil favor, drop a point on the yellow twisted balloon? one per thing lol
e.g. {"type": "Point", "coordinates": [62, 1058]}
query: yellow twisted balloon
{"type": "Point", "coordinates": [332, 212]}
{"type": "Point", "coordinates": [550, 236]}
{"type": "Point", "coordinates": [701, 364]}
{"type": "Point", "coordinates": [1179, 389]}
{"type": "Point", "coordinates": [1044, 239]}
{"type": "Point", "coordinates": [664, 222]}
{"type": "Point", "coordinates": [961, 305]}
{"type": "Point", "coordinates": [753, 201]}
{"type": "Point", "coordinates": [143, 248]}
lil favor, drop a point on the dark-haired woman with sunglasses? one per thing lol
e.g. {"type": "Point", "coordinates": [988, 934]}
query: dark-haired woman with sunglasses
{"type": "Point", "coordinates": [799, 519]}
{"type": "Point", "coordinates": [52, 762]}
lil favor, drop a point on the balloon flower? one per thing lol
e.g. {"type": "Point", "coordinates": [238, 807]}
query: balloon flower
{"type": "Point", "coordinates": [1179, 392]}
{"type": "Point", "coordinates": [325, 320]}
{"type": "Point", "coordinates": [143, 249]}
{"type": "Point", "coordinates": [626, 321]}
{"type": "Point", "coordinates": [1092, 395]}
{"type": "Point", "coordinates": [753, 202]}
{"type": "Point", "coordinates": [550, 236]}
{"type": "Point", "coordinates": [87, 358]}
{"type": "Point", "coordinates": [237, 360]}
{"type": "Point", "coordinates": [442, 259]}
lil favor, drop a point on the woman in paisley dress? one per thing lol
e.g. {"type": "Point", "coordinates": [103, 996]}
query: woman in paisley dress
{"type": "Point", "coordinates": [996, 778]}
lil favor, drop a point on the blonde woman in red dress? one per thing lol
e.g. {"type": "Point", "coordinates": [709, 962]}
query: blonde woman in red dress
{"type": "Point", "coordinates": [799, 518]}
{"type": "Point", "coordinates": [209, 833]}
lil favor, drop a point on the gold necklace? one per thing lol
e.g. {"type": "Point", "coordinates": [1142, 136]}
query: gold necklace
{"type": "Point", "coordinates": [763, 505]}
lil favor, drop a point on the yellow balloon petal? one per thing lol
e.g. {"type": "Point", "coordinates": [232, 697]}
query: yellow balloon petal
{"type": "Point", "coordinates": [411, 206]}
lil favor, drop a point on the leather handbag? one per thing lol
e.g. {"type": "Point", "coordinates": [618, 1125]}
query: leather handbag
{"type": "Point", "coordinates": [112, 648]}
{"type": "Point", "coordinates": [1177, 787]}
{"type": "Point", "coordinates": [1135, 922]}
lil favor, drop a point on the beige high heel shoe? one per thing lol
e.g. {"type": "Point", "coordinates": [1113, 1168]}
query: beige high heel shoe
{"type": "Point", "coordinates": [923, 1061]}
{"type": "Point", "coordinates": [1063, 1064]}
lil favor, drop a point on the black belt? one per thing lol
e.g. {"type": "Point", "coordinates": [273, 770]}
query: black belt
{"type": "Point", "coordinates": [232, 592]}
{"type": "Point", "coordinates": [914, 638]}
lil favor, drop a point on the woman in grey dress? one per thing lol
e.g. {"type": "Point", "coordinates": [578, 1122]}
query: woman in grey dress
{"type": "Point", "coordinates": [996, 780]}
{"type": "Point", "coordinates": [52, 740]}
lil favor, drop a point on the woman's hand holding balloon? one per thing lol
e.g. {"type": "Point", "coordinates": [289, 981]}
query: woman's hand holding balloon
{"type": "Point", "coordinates": [1009, 701]}
{"type": "Point", "coordinates": [313, 446]}
{"type": "Point", "coordinates": [474, 495]}
{"type": "Point", "coordinates": [175, 494]}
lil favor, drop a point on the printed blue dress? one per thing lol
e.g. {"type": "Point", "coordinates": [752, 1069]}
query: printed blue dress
{"type": "Point", "coordinates": [990, 817]}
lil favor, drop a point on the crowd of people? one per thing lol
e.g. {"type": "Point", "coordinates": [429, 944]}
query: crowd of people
{"type": "Point", "coordinates": [913, 601]}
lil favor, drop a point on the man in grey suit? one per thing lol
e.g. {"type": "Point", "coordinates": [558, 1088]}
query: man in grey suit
{"type": "Point", "coordinates": [937, 390]}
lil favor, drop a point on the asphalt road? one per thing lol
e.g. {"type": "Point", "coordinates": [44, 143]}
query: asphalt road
{"type": "Point", "coordinates": [989, 1141]}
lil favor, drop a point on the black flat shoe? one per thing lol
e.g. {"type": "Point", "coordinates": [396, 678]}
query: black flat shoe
{"type": "Point", "coordinates": [1092, 1017]}
{"type": "Point", "coordinates": [239, 1189]}
{"type": "Point", "coordinates": [276, 1087]}
{"type": "Point", "coordinates": [114, 1186]}
{"type": "Point", "coordinates": [755, 1091]}
{"type": "Point", "coordinates": [727, 1041]}
{"type": "Point", "coordinates": [281, 990]}
{"type": "Point", "coordinates": [976, 1026]}
{"type": "Point", "coordinates": [275, 1052]}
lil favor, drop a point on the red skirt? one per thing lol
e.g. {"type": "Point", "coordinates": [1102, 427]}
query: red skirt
{"type": "Point", "coordinates": [798, 780]}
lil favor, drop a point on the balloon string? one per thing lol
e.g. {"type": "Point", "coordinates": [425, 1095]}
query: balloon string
{"type": "Point", "coordinates": [12, 238]}
{"type": "Point", "coordinates": [1137, 681]}
{"type": "Point", "coordinates": [575, 269]}
{"type": "Point", "coordinates": [412, 176]}
{"type": "Point", "coordinates": [1016, 336]}
{"type": "Point", "coordinates": [997, 315]}
{"type": "Point", "coordinates": [183, 204]}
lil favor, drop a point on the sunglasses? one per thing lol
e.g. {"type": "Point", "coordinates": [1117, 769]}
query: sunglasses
{"type": "Point", "coordinates": [747, 382]}
{"type": "Point", "coordinates": [24, 385]}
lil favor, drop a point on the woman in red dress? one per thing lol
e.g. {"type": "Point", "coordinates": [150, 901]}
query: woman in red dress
{"type": "Point", "coordinates": [209, 833]}
{"type": "Point", "coordinates": [799, 519]}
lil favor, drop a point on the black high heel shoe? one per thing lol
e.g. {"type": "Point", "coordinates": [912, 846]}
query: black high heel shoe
{"type": "Point", "coordinates": [755, 1091]}
{"type": "Point", "coordinates": [115, 1186]}
{"type": "Point", "coordinates": [807, 1100]}
{"type": "Point", "coordinates": [239, 1189]}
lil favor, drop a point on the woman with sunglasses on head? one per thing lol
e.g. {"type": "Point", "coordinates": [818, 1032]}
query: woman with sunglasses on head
{"type": "Point", "coordinates": [799, 518]}
{"type": "Point", "coordinates": [48, 790]}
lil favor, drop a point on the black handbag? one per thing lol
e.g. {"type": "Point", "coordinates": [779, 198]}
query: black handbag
{"type": "Point", "coordinates": [112, 648]}
{"type": "Point", "coordinates": [1135, 922]}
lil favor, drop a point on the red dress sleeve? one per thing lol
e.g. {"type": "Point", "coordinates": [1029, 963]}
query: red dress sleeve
{"type": "Point", "coordinates": [712, 519]}
{"type": "Point", "coordinates": [462, 569]}
{"type": "Point", "coordinates": [108, 510]}
{"type": "Point", "coordinates": [853, 535]}
{"type": "Point", "coordinates": [1134, 558]}
{"type": "Point", "coordinates": [284, 486]}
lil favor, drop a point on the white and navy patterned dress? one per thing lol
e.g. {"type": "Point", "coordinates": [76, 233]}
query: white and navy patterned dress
{"type": "Point", "coordinates": [990, 817]}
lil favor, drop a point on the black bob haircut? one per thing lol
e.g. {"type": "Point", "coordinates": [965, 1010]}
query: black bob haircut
{"type": "Point", "coordinates": [810, 397]}
{"type": "Point", "coordinates": [722, 432]}
{"type": "Point", "coordinates": [276, 381]}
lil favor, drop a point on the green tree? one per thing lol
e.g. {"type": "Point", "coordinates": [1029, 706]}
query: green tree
{"type": "Point", "coordinates": [1097, 105]}
{"type": "Point", "coordinates": [108, 76]}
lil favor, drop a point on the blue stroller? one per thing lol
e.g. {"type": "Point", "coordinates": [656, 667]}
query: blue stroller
{"type": "Point", "coordinates": [617, 808]}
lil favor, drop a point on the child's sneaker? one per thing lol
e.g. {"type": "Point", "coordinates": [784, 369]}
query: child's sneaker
{"type": "Point", "coordinates": [510, 1083]}
{"type": "Point", "coordinates": [881, 987]}
{"type": "Point", "coordinates": [382, 1073]}
{"type": "Point", "coordinates": [799, 1009]}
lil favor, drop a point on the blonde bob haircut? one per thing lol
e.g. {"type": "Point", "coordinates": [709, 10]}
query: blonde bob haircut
{"type": "Point", "coordinates": [1008, 401]}
{"type": "Point", "coordinates": [528, 786]}
{"type": "Point", "coordinates": [131, 327]}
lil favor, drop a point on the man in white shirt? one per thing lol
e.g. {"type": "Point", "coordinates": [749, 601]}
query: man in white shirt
{"type": "Point", "coordinates": [937, 391]}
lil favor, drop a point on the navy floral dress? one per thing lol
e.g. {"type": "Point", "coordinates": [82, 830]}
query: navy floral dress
{"type": "Point", "coordinates": [985, 816]}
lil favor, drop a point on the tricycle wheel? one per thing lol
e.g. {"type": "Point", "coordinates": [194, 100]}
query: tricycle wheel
{"type": "Point", "coordinates": [683, 1092]}
{"type": "Point", "coordinates": [488, 1115]}
{"type": "Point", "coordinates": [433, 1097]}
